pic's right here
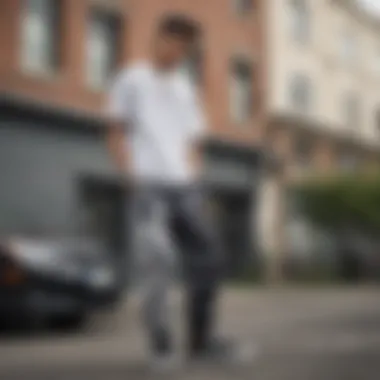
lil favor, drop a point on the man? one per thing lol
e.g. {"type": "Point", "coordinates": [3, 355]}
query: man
{"type": "Point", "coordinates": [155, 136]}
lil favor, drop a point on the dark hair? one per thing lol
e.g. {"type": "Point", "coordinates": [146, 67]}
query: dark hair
{"type": "Point", "coordinates": [181, 26]}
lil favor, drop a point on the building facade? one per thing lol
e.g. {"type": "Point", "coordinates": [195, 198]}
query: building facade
{"type": "Point", "coordinates": [57, 59]}
{"type": "Point", "coordinates": [323, 100]}
{"type": "Point", "coordinates": [324, 80]}
{"type": "Point", "coordinates": [62, 52]}
{"type": "Point", "coordinates": [300, 78]}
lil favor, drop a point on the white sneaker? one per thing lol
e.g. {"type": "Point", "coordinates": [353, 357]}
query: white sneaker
{"type": "Point", "coordinates": [220, 351]}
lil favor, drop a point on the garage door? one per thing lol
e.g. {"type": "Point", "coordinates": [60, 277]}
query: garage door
{"type": "Point", "coordinates": [39, 166]}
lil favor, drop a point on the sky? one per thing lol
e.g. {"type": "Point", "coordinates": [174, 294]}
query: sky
{"type": "Point", "coordinates": [373, 5]}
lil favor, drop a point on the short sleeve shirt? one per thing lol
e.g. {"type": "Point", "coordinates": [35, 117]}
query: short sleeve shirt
{"type": "Point", "coordinates": [163, 116]}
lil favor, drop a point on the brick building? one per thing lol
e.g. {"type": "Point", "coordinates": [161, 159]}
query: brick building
{"type": "Point", "coordinates": [56, 58]}
{"type": "Point", "coordinates": [231, 44]}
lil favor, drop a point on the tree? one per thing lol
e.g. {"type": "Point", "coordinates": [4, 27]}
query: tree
{"type": "Point", "coordinates": [349, 208]}
{"type": "Point", "coordinates": [342, 202]}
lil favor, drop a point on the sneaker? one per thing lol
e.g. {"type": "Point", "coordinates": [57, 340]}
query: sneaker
{"type": "Point", "coordinates": [220, 351]}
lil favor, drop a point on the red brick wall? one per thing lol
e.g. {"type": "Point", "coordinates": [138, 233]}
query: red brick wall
{"type": "Point", "coordinates": [225, 34]}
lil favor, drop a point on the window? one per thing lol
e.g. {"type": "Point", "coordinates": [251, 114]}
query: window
{"type": "Point", "coordinates": [300, 93]}
{"type": "Point", "coordinates": [40, 35]}
{"type": "Point", "coordinates": [102, 46]}
{"type": "Point", "coordinates": [351, 111]}
{"type": "Point", "coordinates": [348, 162]}
{"type": "Point", "coordinates": [377, 121]}
{"type": "Point", "coordinates": [303, 152]}
{"type": "Point", "coordinates": [348, 47]}
{"type": "Point", "coordinates": [377, 61]}
{"type": "Point", "coordinates": [299, 16]}
{"type": "Point", "coordinates": [241, 94]}
{"type": "Point", "coordinates": [242, 6]}
{"type": "Point", "coordinates": [193, 66]}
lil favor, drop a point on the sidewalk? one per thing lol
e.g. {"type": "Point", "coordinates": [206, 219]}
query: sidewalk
{"type": "Point", "coordinates": [295, 328]}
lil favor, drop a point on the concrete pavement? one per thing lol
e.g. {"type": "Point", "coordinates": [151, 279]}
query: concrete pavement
{"type": "Point", "coordinates": [303, 335]}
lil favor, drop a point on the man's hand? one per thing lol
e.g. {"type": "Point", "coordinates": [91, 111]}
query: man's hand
{"type": "Point", "coordinates": [196, 158]}
{"type": "Point", "coordinates": [118, 147]}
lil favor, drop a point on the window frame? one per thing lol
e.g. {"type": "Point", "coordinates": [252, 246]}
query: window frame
{"type": "Point", "coordinates": [304, 158]}
{"type": "Point", "coordinates": [294, 86]}
{"type": "Point", "coordinates": [348, 161]}
{"type": "Point", "coordinates": [51, 30]}
{"type": "Point", "coordinates": [376, 121]}
{"type": "Point", "coordinates": [242, 7]}
{"type": "Point", "coordinates": [300, 21]}
{"type": "Point", "coordinates": [348, 46]}
{"type": "Point", "coordinates": [351, 109]}
{"type": "Point", "coordinates": [193, 66]}
{"type": "Point", "coordinates": [114, 20]}
{"type": "Point", "coordinates": [242, 67]}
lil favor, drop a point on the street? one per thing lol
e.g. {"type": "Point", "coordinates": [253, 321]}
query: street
{"type": "Point", "coordinates": [303, 334]}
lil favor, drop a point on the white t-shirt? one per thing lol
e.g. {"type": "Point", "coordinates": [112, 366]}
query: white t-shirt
{"type": "Point", "coordinates": [163, 117]}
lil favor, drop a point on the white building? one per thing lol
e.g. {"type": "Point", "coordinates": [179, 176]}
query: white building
{"type": "Point", "coordinates": [323, 98]}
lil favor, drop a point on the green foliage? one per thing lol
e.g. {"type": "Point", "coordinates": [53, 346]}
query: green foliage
{"type": "Point", "coordinates": [342, 201]}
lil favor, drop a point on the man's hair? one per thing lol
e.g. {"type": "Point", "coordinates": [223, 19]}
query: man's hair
{"type": "Point", "coordinates": [180, 26]}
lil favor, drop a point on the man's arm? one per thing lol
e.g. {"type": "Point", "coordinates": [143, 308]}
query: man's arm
{"type": "Point", "coordinates": [196, 156]}
{"type": "Point", "coordinates": [198, 126]}
{"type": "Point", "coordinates": [119, 109]}
{"type": "Point", "coordinates": [118, 146]}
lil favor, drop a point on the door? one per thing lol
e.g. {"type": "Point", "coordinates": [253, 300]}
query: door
{"type": "Point", "coordinates": [232, 212]}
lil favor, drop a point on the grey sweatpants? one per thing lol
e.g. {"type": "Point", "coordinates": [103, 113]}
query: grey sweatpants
{"type": "Point", "coordinates": [172, 230]}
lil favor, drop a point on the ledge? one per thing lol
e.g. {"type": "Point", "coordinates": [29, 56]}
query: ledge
{"type": "Point", "coordinates": [14, 107]}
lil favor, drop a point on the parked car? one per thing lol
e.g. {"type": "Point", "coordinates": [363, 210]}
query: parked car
{"type": "Point", "coordinates": [46, 279]}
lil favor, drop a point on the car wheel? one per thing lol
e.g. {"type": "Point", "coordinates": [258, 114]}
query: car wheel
{"type": "Point", "coordinates": [70, 322]}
